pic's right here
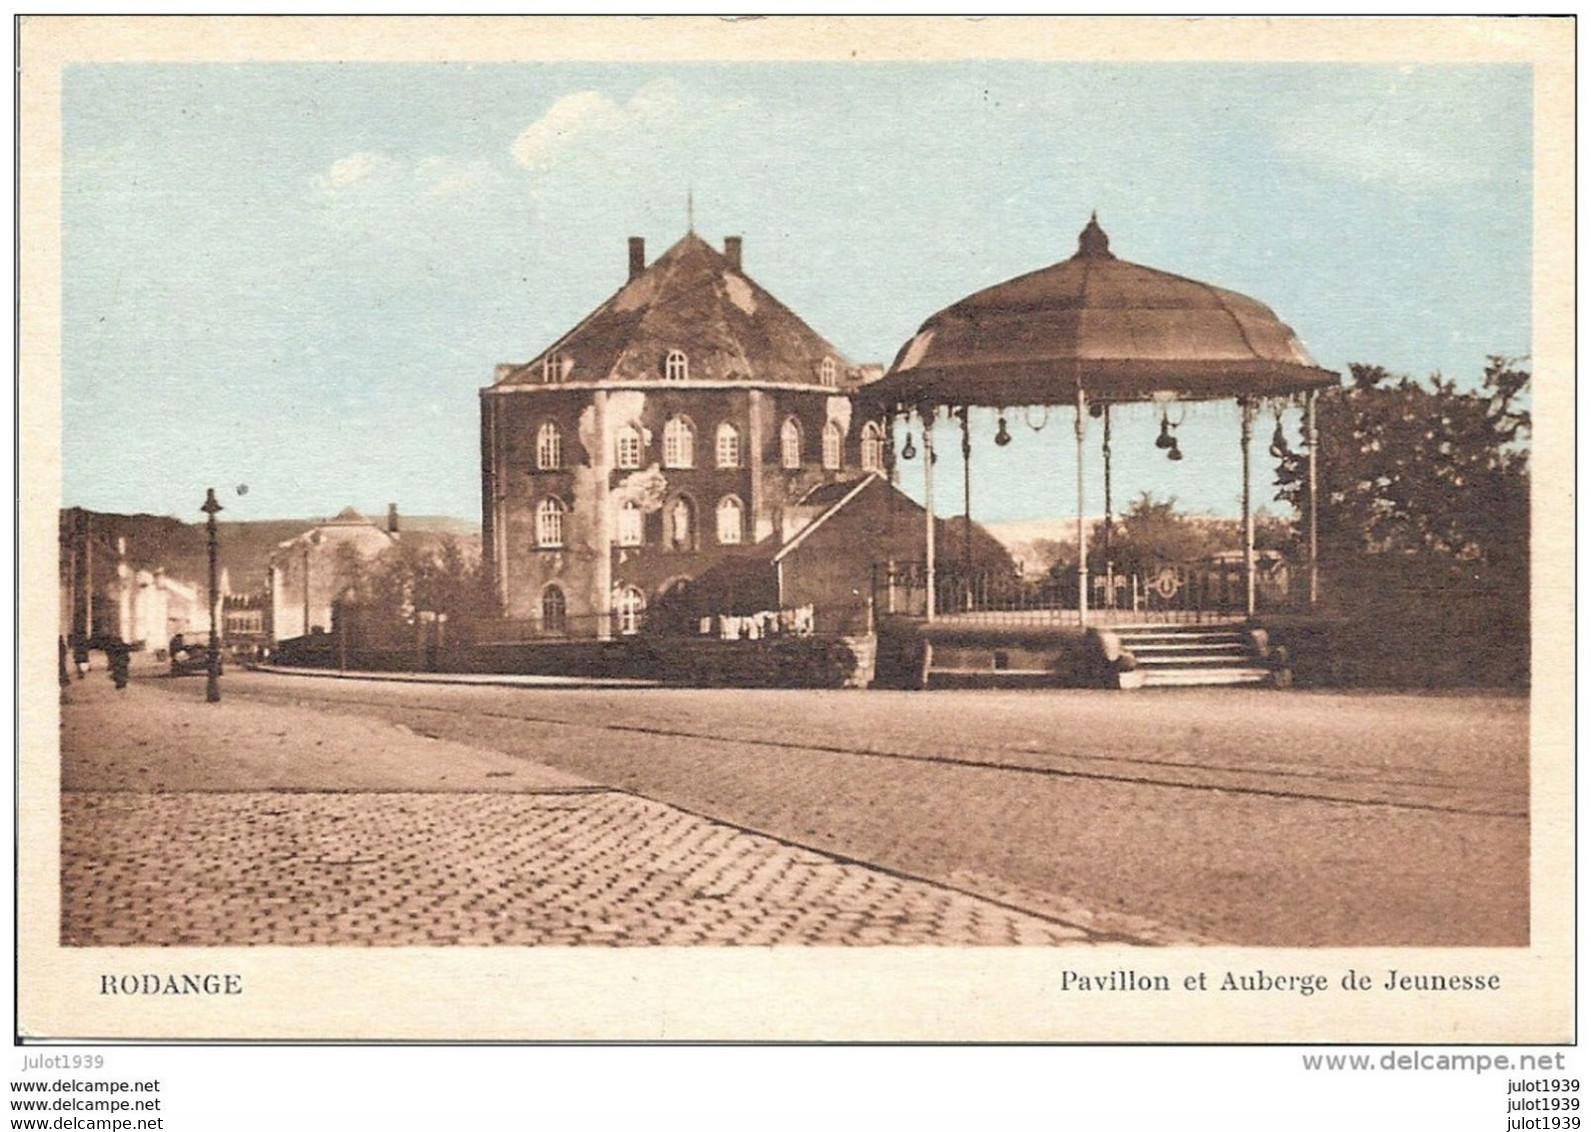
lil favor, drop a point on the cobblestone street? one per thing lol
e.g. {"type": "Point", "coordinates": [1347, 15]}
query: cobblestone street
{"type": "Point", "coordinates": [602, 868]}
{"type": "Point", "coordinates": [325, 811]}
{"type": "Point", "coordinates": [183, 825]}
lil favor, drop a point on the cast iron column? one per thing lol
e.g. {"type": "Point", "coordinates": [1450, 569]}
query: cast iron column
{"type": "Point", "coordinates": [1314, 513]}
{"type": "Point", "coordinates": [1246, 407]}
{"type": "Point", "coordinates": [212, 686]}
{"type": "Point", "coordinates": [966, 506]}
{"type": "Point", "coordinates": [1082, 521]}
{"type": "Point", "coordinates": [1110, 579]}
{"type": "Point", "coordinates": [928, 500]}
{"type": "Point", "coordinates": [306, 585]}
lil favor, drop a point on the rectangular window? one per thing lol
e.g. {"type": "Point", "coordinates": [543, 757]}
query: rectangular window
{"type": "Point", "coordinates": [632, 531]}
{"type": "Point", "coordinates": [728, 446]}
{"type": "Point", "coordinates": [832, 445]}
{"type": "Point", "coordinates": [629, 448]}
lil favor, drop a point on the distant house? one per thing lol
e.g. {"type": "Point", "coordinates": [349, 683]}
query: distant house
{"type": "Point", "coordinates": [155, 607]}
{"type": "Point", "coordinates": [311, 571]}
{"type": "Point", "coordinates": [245, 620]}
{"type": "Point", "coordinates": [123, 578]}
{"type": "Point", "coordinates": [144, 578]}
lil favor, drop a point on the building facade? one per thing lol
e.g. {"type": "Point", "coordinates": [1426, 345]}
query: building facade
{"type": "Point", "coordinates": [680, 425]}
{"type": "Point", "coordinates": [115, 586]}
{"type": "Point", "coordinates": [309, 573]}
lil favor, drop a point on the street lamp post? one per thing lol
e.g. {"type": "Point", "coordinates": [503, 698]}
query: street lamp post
{"type": "Point", "coordinates": [212, 688]}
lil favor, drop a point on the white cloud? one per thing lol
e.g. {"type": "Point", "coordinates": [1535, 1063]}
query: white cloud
{"type": "Point", "coordinates": [579, 118]}
{"type": "Point", "coordinates": [351, 170]}
{"type": "Point", "coordinates": [371, 177]}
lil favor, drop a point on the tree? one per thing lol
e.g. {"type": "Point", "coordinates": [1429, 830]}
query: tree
{"type": "Point", "coordinates": [1272, 532]}
{"type": "Point", "coordinates": [1413, 468]}
{"type": "Point", "coordinates": [351, 571]}
{"type": "Point", "coordinates": [408, 582]}
{"type": "Point", "coordinates": [1424, 523]}
{"type": "Point", "coordinates": [1151, 533]}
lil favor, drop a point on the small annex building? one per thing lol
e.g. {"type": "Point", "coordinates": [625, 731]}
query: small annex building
{"type": "Point", "coordinates": [849, 543]}
{"type": "Point", "coordinates": [690, 447]}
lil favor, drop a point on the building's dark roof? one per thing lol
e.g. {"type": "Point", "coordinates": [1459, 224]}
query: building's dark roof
{"type": "Point", "coordinates": [691, 299]}
{"type": "Point", "coordinates": [1121, 330]}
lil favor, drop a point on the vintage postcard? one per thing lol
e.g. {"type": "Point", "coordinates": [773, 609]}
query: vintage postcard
{"type": "Point", "coordinates": [817, 529]}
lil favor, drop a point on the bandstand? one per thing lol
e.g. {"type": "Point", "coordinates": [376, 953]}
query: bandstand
{"type": "Point", "coordinates": [1090, 333]}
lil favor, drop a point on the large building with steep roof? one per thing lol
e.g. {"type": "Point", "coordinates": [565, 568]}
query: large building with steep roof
{"type": "Point", "coordinates": [686, 422]}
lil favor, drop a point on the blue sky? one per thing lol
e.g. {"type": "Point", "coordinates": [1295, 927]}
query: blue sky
{"type": "Point", "coordinates": [297, 276]}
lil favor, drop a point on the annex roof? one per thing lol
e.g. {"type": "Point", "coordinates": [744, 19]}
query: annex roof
{"type": "Point", "coordinates": [835, 496]}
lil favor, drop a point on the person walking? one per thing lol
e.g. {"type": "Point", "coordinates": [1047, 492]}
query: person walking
{"type": "Point", "coordinates": [117, 655]}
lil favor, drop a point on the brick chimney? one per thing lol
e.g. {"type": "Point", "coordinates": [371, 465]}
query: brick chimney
{"type": "Point", "coordinates": [392, 518]}
{"type": "Point", "coordinates": [732, 251]}
{"type": "Point", "coordinates": [637, 256]}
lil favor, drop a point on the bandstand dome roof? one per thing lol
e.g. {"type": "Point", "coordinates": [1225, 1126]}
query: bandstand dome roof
{"type": "Point", "coordinates": [1124, 331]}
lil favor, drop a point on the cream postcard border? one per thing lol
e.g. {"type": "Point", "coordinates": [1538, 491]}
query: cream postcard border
{"type": "Point", "coordinates": [910, 994]}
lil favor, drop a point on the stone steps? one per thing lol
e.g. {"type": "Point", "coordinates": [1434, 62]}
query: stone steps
{"type": "Point", "coordinates": [1165, 655]}
{"type": "Point", "coordinates": [1169, 656]}
{"type": "Point", "coordinates": [1183, 677]}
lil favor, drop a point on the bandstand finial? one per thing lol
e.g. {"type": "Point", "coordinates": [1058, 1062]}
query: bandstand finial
{"type": "Point", "coordinates": [1092, 241]}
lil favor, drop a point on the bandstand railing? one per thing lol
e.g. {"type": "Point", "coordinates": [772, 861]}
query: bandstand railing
{"type": "Point", "coordinates": [1171, 592]}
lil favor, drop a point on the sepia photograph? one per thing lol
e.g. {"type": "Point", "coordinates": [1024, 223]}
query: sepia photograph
{"type": "Point", "coordinates": [813, 505]}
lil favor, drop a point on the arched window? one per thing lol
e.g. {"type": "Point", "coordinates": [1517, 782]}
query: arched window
{"type": "Point", "coordinates": [632, 605]}
{"type": "Point", "coordinates": [676, 367]}
{"type": "Point", "coordinates": [549, 522]}
{"type": "Point", "coordinates": [872, 447]}
{"type": "Point", "coordinates": [549, 447]}
{"type": "Point", "coordinates": [629, 447]}
{"type": "Point", "coordinates": [728, 446]}
{"type": "Point", "coordinates": [790, 444]}
{"type": "Point", "coordinates": [632, 529]}
{"type": "Point", "coordinates": [554, 610]}
{"type": "Point", "coordinates": [679, 444]}
{"type": "Point", "coordinates": [829, 372]}
{"type": "Point", "coordinates": [833, 445]}
{"type": "Point", "coordinates": [731, 521]}
{"type": "Point", "coordinates": [681, 532]}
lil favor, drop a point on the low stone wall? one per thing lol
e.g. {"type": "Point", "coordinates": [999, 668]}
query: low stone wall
{"type": "Point", "coordinates": [907, 648]}
{"type": "Point", "coordinates": [775, 662]}
{"type": "Point", "coordinates": [627, 657]}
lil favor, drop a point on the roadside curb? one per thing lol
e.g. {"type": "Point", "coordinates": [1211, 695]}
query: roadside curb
{"type": "Point", "coordinates": [476, 679]}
